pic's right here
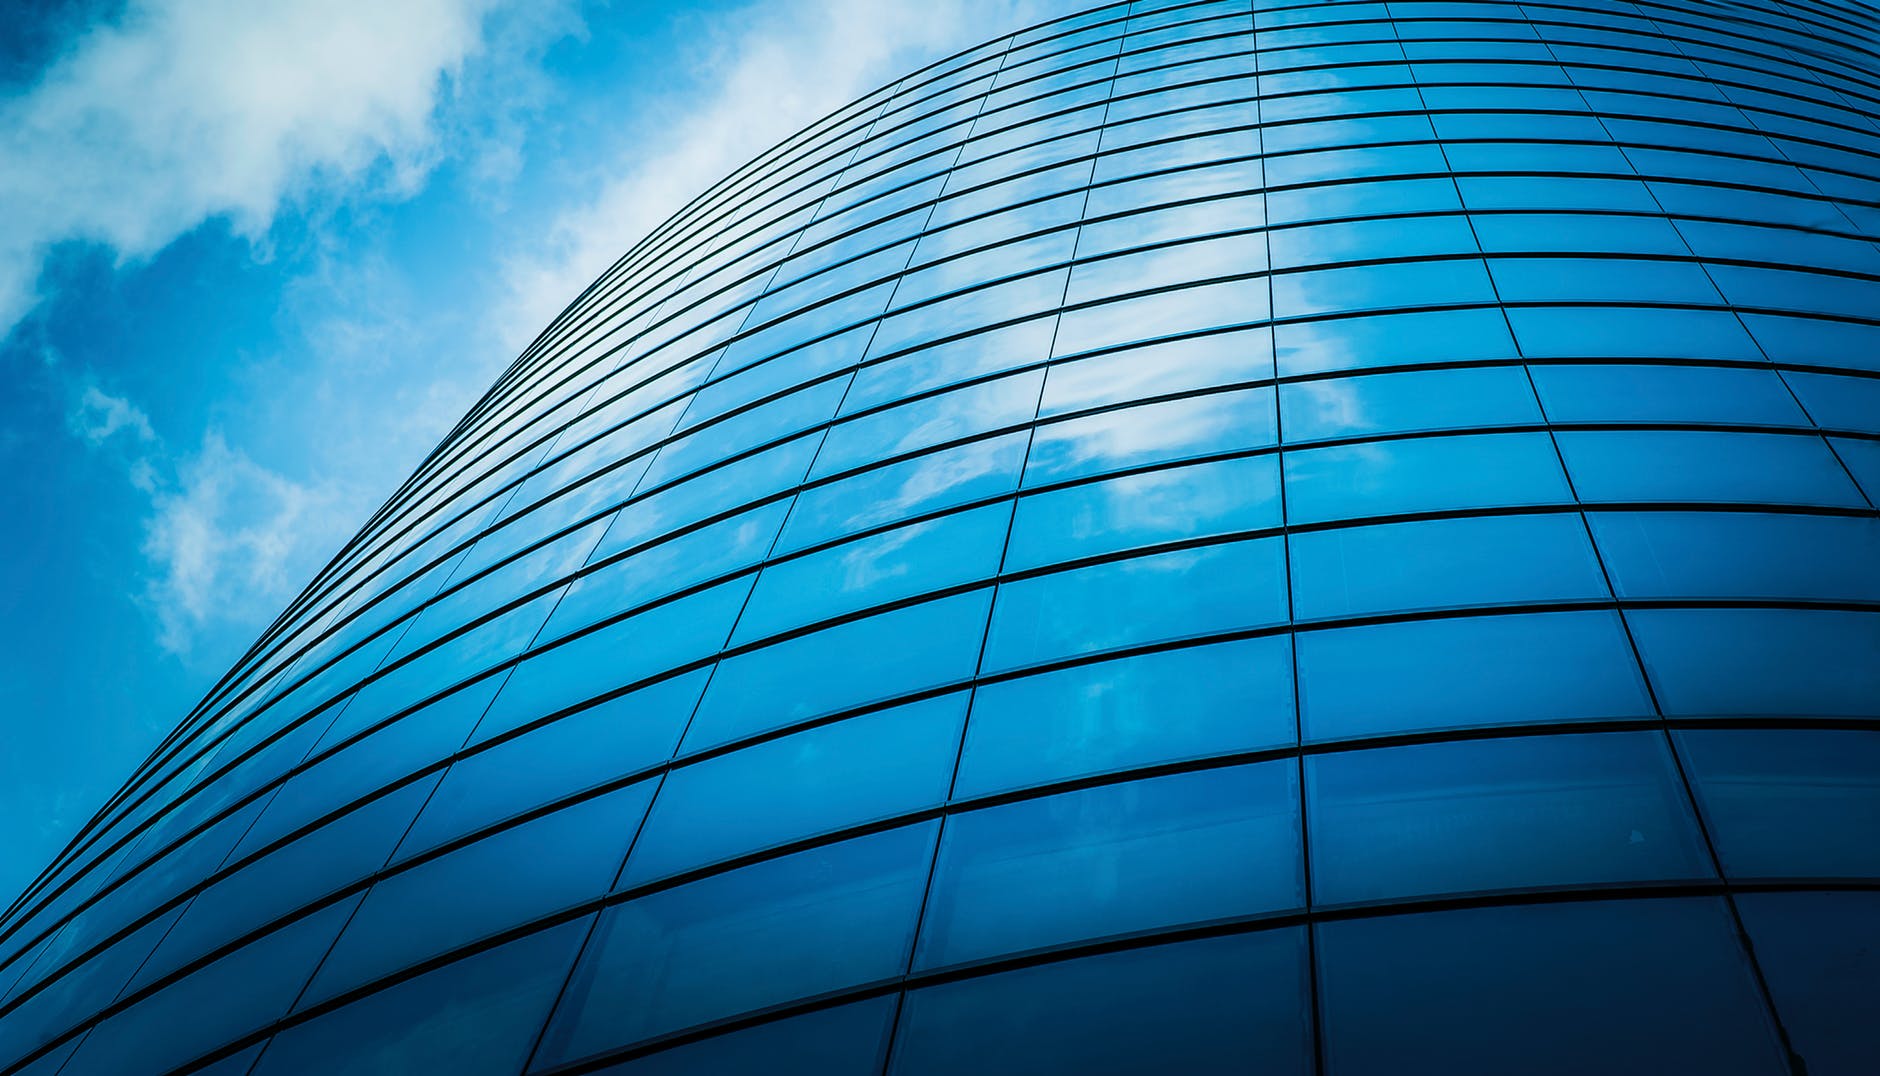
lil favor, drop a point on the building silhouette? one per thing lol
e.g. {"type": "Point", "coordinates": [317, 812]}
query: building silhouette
{"type": "Point", "coordinates": [1194, 537]}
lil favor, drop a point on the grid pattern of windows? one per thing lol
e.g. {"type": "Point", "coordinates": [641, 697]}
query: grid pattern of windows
{"type": "Point", "coordinates": [1203, 536]}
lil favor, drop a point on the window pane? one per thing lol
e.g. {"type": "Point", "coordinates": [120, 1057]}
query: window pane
{"type": "Point", "coordinates": [1820, 953]}
{"type": "Point", "coordinates": [1392, 403]}
{"type": "Point", "coordinates": [1794, 803]}
{"type": "Point", "coordinates": [477, 1016]}
{"type": "Point", "coordinates": [1492, 815]}
{"type": "Point", "coordinates": [1690, 465]}
{"type": "Point", "coordinates": [541, 866]}
{"type": "Point", "coordinates": [851, 664]}
{"type": "Point", "coordinates": [1630, 988]}
{"type": "Point", "coordinates": [1740, 555]}
{"type": "Point", "coordinates": [863, 768]}
{"type": "Point", "coordinates": [788, 928]}
{"type": "Point", "coordinates": [1152, 433]}
{"type": "Point", "coordinates": [1234, 1004]}
{"type": "Point", "coordinates": [1112, 715]}
{"type": "Point", "coordinates": [1183, 594]}
{"type": "Point", "coordinates": [1457, 672]}
{"type": "Point", "coordinates": [1095, 518]}
{"type": "Point", "coordinates": [1422, 474]}
{"type": "Point", "coordinates": [1115, 859]}
{"type": "Point", "coordinates": [1493, 560]}
{"type": "Point", "coordinates": [848, 1040]}
{"type": "Point", "coordinates": [1623, 393]}
{"type": "Point", "coordinates": [1774, 662]}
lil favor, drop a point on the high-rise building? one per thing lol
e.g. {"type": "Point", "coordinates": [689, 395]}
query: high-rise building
{"type": "Point", "coordinates": [1194, 537]}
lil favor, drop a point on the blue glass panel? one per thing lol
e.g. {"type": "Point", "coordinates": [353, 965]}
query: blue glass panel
{"type": "Point", "coordinates": [1423, 474]}
{"type": "Point", "coordinates": [1145, 509]}
{"type": "Point", "coordinates": [238, 993]}
{"type": "Point", "coordinates": [1392, 403]}
{"type": "Point", "coordinates": [1493, 815]}
{"type": "Point", "coordinates": [1629, 332]}
{"type": "Point", "coordinates": [1774, 662]}
{"type": "Point", "coordinates": [848, 1040]}
{"type": "Point", "coordinates": [1820, 954]}
{"type": "Point", "coordinates": [1315, 347]}
{"type": "Point", "coordinates": [1740, 555]}
{"type": "Point", "coordinates": [648, 643]}
{"type": "Point", "coordinates": [1637, 988]}
{"type": "Point", "coordinates": [794, 927]}
{"type": "Point", "coordinates": [857, 770]}
{"type": "Point", "coordinates": [1182, 594]}
{"type": "Point", "coordinates": [571, 754]}
{"type": "Point", "coordinates": [541, 866]}
{"type": "Point", "coordinates": [1492, 560]}
{"type": "Point", "coordinates": [1187, 364]}
{"type": "Point", "coordinates": [1234, 1004]}
{"type": "Point", "coordinates": [1629, 393]}
{"type": "Point", "coordinates": [478, 1016]}
{"type": "Point", "coordinates": [1790, 803]}
{"type": "Point", "coordinates": [972, 471]}
{"type": "Point", "coordinates": [851, 664]}
{"type": "Point", "coordinates": [1695, 465]}
{"type": "Point", "coordinates": [1140, 711]}
{"type": "Point", "coordinates": [1115, 859]}
{"type": "Point", "coordinates": [1152, 433]}
{"type": "Point", "coordinates": [901, 563]}
{"type": "Point", "coordinates": [1846, 403]}
{"type": "Point", "coordinates": [1457, 672]}
{"type": "Point", "coordinates": [930, 421]}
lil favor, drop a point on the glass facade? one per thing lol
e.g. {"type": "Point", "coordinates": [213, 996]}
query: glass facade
{"type": "Point", "coordinates": [1194, 537]}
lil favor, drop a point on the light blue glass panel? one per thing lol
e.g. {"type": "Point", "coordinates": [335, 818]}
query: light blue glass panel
{"type": "Point", "coordinates": [851, 664]}
{"type": "Point", "coordinates": [1183, 594]}
{"type": "Point", "coordinates": [1457, 672]}
{"type": "Point", "coordinates": [1699, 465]}
{"type": "Point", "coordinates": [1379, 287]}
{"type": "Point", "coordinates": [1161, 707]}
{"type": "Point", "coordinates": [1095, 518]}
{"type": "Point", "coordinates": [857, 770]}
{"type": "Point", "coordinates": [1495, 815]}
{"type": "Point", "coordinates": [1115, 859]}
{"type": "Point", "coordinates": [1238, 356]}
{"type": "Point", "coordinates": [1314, 347]}
{"type": "Point", "coordinates": [1740, 555]}
{"type": "Point", "coordinates": [930, 421]}
{"type": "Point", "coordinates": [1152, 433]}
{"type": "Point", "coordinates": [901, 563]}
{"type": "Point", "coordinates": [1423, 474]}
{"type": "Point", "coordinates": [1631, 333]}
{"type": "Point", "coordinates": [794, 927]}
{"type": "Point", "coordinates": [1628, 393]}
{"type": "Point", "coordinates": [1393, 403]}
{"type": "Point", "coordinates": [975, 470]}
{"type": "Point", "coordinates": [1486, 561]}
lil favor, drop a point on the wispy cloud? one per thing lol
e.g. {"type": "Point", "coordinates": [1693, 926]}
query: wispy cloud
{"type": "Point", "coordinates": [225, 539]}
{"type": "Point", "coordinates": [758, 75]}
{"type": "Point", "coordinates": [181, 111]}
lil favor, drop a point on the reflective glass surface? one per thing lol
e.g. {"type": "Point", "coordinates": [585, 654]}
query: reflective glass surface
{"type": "Point", "coordinates": [1193, 536]}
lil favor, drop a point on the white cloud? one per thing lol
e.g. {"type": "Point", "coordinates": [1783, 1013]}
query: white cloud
{"type": "Point", "coordinates": [784, 67]}
{"type": "Point", "coordinates": [186, 110]}
{"type": "Point", "coordinates": [225, 540]}
{"type": "Point", "coordinates": [98, 416]}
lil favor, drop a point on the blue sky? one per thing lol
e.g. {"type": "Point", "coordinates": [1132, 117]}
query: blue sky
{"type": "Point", "coordinates": [256, 258]}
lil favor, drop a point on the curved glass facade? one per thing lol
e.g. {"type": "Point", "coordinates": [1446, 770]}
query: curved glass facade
{"type": "Point", "coordinates": [1193, 537]}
